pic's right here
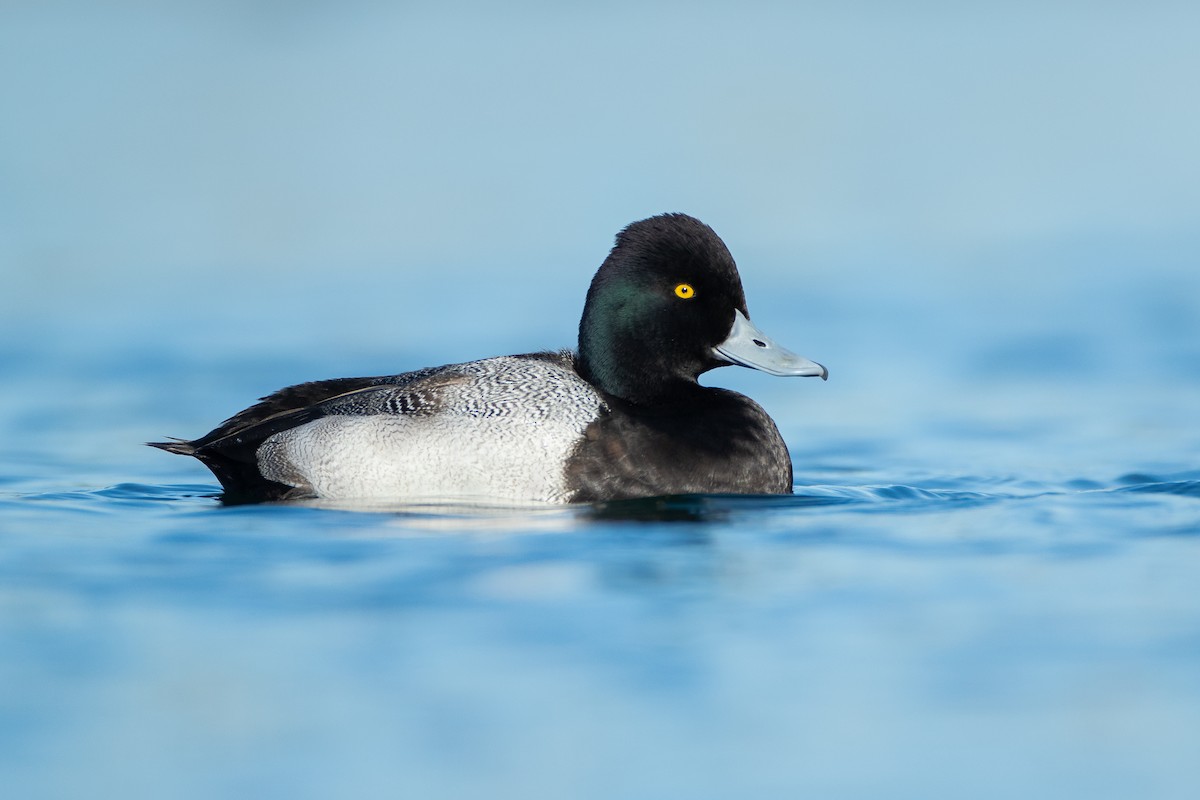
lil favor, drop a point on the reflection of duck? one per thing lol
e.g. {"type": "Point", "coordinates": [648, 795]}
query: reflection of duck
{"type": "Point", "coordinates": [625, 417]}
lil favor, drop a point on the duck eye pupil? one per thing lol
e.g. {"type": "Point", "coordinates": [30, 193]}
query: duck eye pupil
{"type": "Point", "coordinates": [684, 290]}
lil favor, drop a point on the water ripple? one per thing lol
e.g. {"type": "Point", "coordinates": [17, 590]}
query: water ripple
{"type": "Point", "coordinates": [1183, 488]}
{"type": "Point", "coordinates": [126, 493]}
{"type": "Point", "coordinates": [936, 495]}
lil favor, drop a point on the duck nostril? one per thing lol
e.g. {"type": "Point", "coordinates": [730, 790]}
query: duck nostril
{"type": "Point", "coordinates": [759, 342]}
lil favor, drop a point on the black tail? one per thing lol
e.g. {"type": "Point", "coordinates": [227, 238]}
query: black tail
{"type": "Point", "coordinates": [240, 478]}
{"type": "Point", "coordinates": [179, 446]}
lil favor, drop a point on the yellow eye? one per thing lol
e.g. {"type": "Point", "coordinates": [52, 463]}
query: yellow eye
{"type": "Point", "coordinates": [685, 291]}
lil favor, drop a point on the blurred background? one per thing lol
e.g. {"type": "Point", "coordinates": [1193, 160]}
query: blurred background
{"type": "Point", "coordinates": [916, 193]}
{"type": "Point", "coordinates": [985, 194]}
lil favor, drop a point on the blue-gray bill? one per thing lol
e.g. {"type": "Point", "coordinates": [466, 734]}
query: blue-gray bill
{"type": "Point", "coordinates": [747, 346]}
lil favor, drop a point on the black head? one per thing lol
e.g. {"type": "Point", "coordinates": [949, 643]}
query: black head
{"type": "Point", "coordinates": [661, 301]}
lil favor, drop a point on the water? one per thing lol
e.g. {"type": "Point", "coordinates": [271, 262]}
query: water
{"type": "Point", "coordinates": [771, 646]}
{"type": "Point", "coordinates": [999, 602]}
{"type": "Point", "coordinates": [984, 225]}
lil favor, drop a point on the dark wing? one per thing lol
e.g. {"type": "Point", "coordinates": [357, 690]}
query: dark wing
{"type": "Point", "coordinates": [230, 449]}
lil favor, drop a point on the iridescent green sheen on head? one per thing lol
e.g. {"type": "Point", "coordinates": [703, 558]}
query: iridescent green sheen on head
{"type": "Point", "coordinates": [640, 339]}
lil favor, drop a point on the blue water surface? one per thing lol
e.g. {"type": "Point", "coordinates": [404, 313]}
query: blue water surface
{"type": "Point", "coordinates": [995, 600]}
{"type": "Point", "coordinates": [984, 223]}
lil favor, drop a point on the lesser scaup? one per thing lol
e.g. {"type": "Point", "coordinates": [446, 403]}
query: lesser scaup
{"type": "Point", "coordinates": [623, 418]}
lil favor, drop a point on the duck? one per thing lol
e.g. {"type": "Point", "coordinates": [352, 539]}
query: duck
{"type": "Point", "coordinates": [621, 417]}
